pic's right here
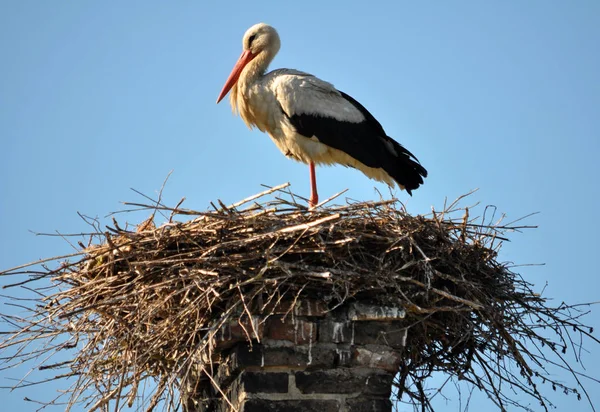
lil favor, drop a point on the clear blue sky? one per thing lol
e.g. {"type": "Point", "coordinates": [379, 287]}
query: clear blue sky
{"type": "Point", "coordinates": [100, 97]}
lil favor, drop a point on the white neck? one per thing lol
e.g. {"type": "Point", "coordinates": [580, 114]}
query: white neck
{"type": "Point", "coordinates": [255, 69]}
{"type": "Point", "coordinates": [251, 74]}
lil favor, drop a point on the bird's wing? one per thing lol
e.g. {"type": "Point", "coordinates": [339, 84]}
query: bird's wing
{"type": "Point", "coordinates": [303, 94]}
{"type": "Point", "coordinates": [317, 109]}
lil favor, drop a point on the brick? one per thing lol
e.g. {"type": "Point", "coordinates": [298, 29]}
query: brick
{"type": "Point", "coordinates": [264, 382]}
{"type": "Point", "coordinates": [379, 384]}
{"type": "Point", "coordinates": [368, 405]}
{"type": "Point", "coordinates": [283, 356]}
{"type": "Point", "coordinates": [319, 356]}
{"type": "Point", "coordinates": [381, 359]}
{"type": "Point", "coordinates": [305, 307]}
{"type": "Point", "coordinates": [330, 381]}
{"type": "Point", "coordinates": [235, 331]}
{"type": "Point", "coordinates": [364, 312]}
{"type": "Point", "coordinates": [311, 308]}
{"type": "Point", "coordinates": [297, 331]}
{"type": "Point", "coordinates": [344, 381]}
{"type": "Point", "coordinates": [336, 332]}
{"type": "Point", "coordinates": [313, 356]}
{"type": "Point", "coordinates": [242, 356]}
{"type": "Point", "coordinates": [307, 405]}
{"type": "Point", "coordinates": [392, 334]}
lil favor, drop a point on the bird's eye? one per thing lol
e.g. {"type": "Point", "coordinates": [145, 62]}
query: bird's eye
{"type": "Point", "coordinates": [251, 39]}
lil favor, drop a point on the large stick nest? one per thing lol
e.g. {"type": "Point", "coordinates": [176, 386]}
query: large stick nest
{"type": "Point", "coordinates": [143, 303]}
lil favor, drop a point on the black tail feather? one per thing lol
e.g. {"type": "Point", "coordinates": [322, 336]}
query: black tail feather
{"type": "Point", "coordinates": [404, 168]}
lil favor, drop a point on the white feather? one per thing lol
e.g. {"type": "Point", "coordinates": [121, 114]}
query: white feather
{"type": "Point", "coordinates": [301, 93]}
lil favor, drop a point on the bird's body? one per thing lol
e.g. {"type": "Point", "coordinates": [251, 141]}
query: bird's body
{"type": "Point", "coordinates": [310, 120]}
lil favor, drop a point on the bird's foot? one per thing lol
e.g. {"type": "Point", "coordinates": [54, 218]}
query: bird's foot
{"type": "Point", "coordinates": [313, 202]}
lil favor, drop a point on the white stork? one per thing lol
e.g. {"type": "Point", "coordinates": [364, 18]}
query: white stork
{"type": "Point", "coordinates": [310, 120]}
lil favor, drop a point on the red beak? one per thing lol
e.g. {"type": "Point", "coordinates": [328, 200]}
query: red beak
{"type": "Point", "coordinates": [244, 59]}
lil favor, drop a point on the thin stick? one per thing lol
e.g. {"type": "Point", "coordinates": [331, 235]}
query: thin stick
{"type": "Point", "coordinates": [258, 195]}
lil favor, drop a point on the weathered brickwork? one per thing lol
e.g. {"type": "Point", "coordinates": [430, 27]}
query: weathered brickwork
{"type": "Point", "coordinates": [303, 357]}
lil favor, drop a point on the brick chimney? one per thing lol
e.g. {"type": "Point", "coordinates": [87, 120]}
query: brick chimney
{"type": "Point", "coordinates": [303, 358]}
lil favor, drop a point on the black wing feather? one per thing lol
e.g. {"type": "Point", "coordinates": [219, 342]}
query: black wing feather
{"type": "Point", "coordinates": [366, 142]}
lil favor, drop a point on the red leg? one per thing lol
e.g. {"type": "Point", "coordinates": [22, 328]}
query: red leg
{"type": "Point", "coordinates": [314, 196]}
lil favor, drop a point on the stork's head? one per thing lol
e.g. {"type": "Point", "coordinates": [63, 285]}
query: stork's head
{"type": "Point", "coordinates": [260, 40]}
